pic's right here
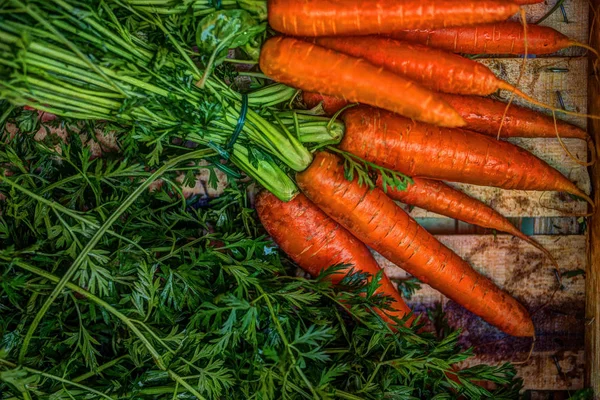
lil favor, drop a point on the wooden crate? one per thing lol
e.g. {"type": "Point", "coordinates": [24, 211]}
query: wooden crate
{"type": "Point", "coordinates": [566, 356]}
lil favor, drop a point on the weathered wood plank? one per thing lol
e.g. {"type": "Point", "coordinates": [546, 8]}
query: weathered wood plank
{"type": "Point", "coordinates": [592, 308]}
{"type": "Point", "coordinates": [542, 84]}
{"type": "Point", "coordinates": [527, 275]}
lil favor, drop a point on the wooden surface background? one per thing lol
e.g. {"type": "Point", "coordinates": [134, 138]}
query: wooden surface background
{"type": "Point", "coordinates": [557, 366]}
{"type": "Point", "coordinates": [592, 308]}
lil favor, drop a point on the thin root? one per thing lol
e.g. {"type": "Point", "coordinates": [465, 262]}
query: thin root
{"type": "Point", "coordinates": [562, 144]}
{"type": "Point", "coordinates": [529, 354]}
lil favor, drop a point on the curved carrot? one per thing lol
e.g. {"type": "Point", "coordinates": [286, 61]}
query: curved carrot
{"type": "Point", "coordinates": [436, 69]}
{"type": "Point", "coordinates": [454, 155]}
{"type": "Point", "coordinates": [483, 115]}
{"type": "Point", "coordinates": [496, 38]}
{"type": "Point", "coordinates": [381, 224]}
{"type": "Point", "coordinates": [316, 242]}
{"type": "Point", "coordinates": [313, 68]}
{"type": "Point", "coordinates": [366, 17]}
{"type": "Point", "coordinates": [438, 197]}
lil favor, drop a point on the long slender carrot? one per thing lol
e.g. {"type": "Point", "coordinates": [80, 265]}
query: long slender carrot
{"type": "Point", "coordinates": [438, 197]}
{"type": "Point", "coordinates": [314, 68]}
{"type": "Point", "coordinates": [454, 155]}
{"type": "Point", "coordinates": [483, 115]}
{"type": "Point", "coordinates": [433, 68]}
{"type": "Point", "coordinates": [366, 17]}
{"type": "Point", "coordinates": [381, 224]}
{"type": "Point", "coordinates": [316, 242]}
{"type": "Point", "coordinates": [495, 38]}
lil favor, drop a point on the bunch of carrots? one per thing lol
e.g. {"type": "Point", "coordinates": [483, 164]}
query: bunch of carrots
{"type": "Point", "coordinates": [422, 112]}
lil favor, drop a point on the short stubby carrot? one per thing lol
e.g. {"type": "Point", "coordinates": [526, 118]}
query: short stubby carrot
{"type": "Point", "coordinates": [454, 155]}
{"type": "Point", "coordinates": [483, 115]}
{"type": "Point", "coordinates": [368, 17]}
{"type": "Point", "coordinates": [442, 199]}
{"type": "Point", "coordinates": [486, 116]}
{"type": "Point", "coordinates": [433, 68]}
{"type": "Point", "coordinates": [313, 68]}
{"type": "Point", "coordinates": [495, 38]}
{"type": "Point", "coordinates": [316, 242]}
{"type": "Point", "coordinates": [381, 224]}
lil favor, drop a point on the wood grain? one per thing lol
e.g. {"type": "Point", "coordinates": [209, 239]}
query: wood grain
{"type": "Point", "coordinates": [527, 275]}
{"type": "Point", "coordinates": [592, 308]}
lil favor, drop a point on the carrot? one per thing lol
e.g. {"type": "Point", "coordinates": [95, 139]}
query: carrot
{"type": "Point", "coordinates": [330, 104]}
{"type": "Point", "coordinates": [438, 197]}
{"type": "Point", "coordinates": [433, 68]}
{"type": "Point", "coordinates": [366, 17]}
{"type": "Point", "coordinates": [381, 224]}
{"type": "Point", "coordinates": [316, 242]}
{"type": "Point", "coordinates": [313, 68]}
{"type": "Point", "coordinates": [496, 38]}
{"type": "Point", "coordinates": [483, 115]}
{"type": "Point", "coordinates": [454, 155]}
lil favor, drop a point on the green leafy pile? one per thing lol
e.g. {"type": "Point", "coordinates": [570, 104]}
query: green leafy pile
{"type": "Point", "coordinates": [110, 290]}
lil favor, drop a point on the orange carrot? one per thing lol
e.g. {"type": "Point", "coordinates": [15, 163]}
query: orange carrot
{"type": "Point", "coordinates": [330, 104]}
{"type": "Point", "coordinates": [381, 224]}
{"type": "Point", "coordinates": [433, 68]}
{"type": "Point", "coordinates": [316, 242]}
{"type": "Point", "coordinates": [496, 38]}
{"type": "Point", "coordinates": [313, 68]}
{"type": "Point", "coordinates": [454, 155]}
{"type": "Point", "coordinates": [483, 115]}
{"type": "Point", "coordinates": [366, 17]}
{"type": "Point", "coordinates": [438, 197]}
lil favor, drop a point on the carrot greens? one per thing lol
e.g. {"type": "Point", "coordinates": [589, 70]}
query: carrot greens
{"type": "Point", "coordinates": [181, 300]}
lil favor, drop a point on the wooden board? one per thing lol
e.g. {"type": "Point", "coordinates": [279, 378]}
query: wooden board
{"type": "Point", "coordinates": [592, 308]}
{"type": "Point", "coordinates": [527, 275]}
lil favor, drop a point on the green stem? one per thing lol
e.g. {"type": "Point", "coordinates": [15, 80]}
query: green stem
{"type": "Point", "coordinates": [67, 42]}
{"type": "Point", "coordinates": [60, 208]}
{"type": "Point", "coordinates": [96, 238]}
{"type": "Point", "coordinates": [98, 370]}
{"type": "Point", "coordinates": [57, 378]}
{"type": "Point", "coordinates": [53, 278]}
{"type": "Point", "coordinates": [287, 343]}
{"type": "Point", "coordinates": [186, 385]}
